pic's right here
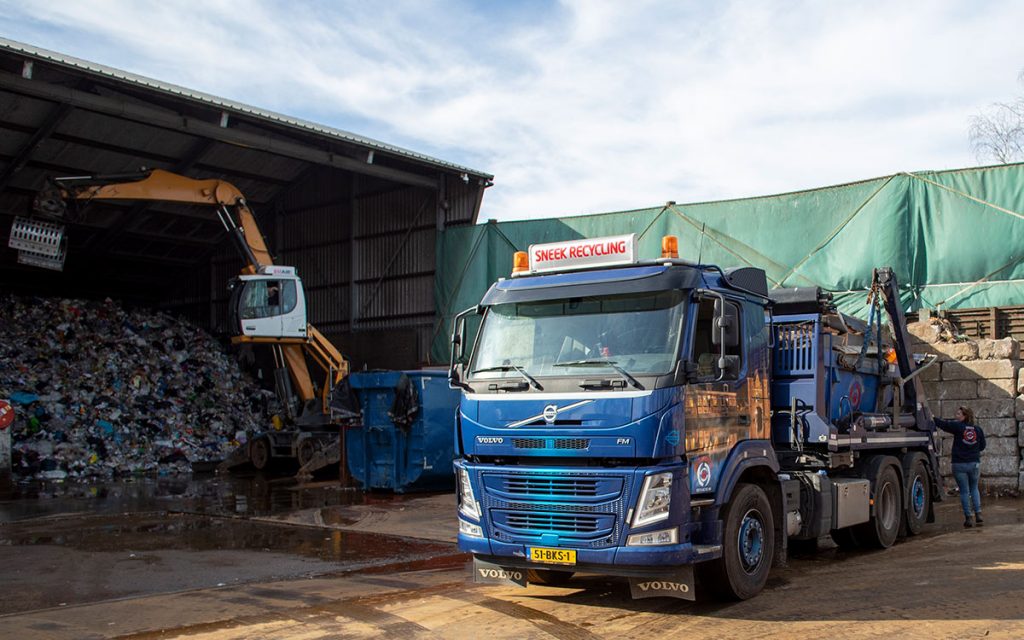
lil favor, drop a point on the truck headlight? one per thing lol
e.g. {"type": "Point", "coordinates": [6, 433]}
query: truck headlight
{"type": "Point", "coordinates": [653, 538]}
{"type": "Point", "coordinates": [654, 499]}
{"type": "Point", "coordinates": [467, 502]}
{"type": "Point", "coordinates": [471, 530]}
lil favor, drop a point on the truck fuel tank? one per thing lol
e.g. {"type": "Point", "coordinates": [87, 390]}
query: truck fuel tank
{"type": "Point", "coordinates": [851, 502]}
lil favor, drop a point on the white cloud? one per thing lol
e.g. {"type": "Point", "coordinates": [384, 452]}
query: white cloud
{"type": "Point", "coordinates": [587, 106]}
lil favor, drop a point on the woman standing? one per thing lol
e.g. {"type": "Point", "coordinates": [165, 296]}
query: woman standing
{"type": "Point", "coordinates": [968, 443]}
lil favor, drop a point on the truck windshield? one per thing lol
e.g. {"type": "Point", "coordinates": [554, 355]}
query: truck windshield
{"type": "Point", "coordinates": [638, 333]}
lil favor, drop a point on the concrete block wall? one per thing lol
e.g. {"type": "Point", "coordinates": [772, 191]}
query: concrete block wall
{"type": "Point", "coordinates": [984, 375]}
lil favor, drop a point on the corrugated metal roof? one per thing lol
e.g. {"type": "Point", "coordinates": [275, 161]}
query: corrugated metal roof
{"type": "Point", "coordinates": [230, 106]}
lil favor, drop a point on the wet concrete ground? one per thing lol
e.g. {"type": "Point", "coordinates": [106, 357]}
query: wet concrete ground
{"type": "Point", "coordinates": [244, 495]}
{"type": "Point", "coordinates": [67, 544]}
{"type": "Point", "coordinates": [247, 558]}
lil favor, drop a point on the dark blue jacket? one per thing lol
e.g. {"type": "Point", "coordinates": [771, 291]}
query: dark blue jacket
{"type": "Point", "coordinates": [968, 440]}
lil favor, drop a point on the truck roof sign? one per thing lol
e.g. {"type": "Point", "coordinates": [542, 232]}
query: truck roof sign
{"type": "Point", "coordinates": [581, 254]}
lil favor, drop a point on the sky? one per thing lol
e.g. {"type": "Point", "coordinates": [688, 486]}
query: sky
{"type": "Point", "coordinates": [586, 106]}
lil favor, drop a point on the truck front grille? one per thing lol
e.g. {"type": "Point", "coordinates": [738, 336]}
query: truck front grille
{"type": "Point", "coordinates": [528, 443]}
{"type": "Point", "coordinates": [561, 523]}
{"type": "Point", "coordinates": [572, 443]}
{"type": "Point", "coordinates": [576, 444]}
{"type": "Point", "coordinates": [523, 486]}
{"type": "Point", "coordinates": [585, 509]}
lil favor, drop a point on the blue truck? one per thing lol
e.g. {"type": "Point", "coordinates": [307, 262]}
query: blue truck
{"type": "Point", "coordinates": [679, 424]}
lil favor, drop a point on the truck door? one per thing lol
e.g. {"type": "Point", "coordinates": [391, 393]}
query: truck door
{"type": "Point", "coordinates": [718, 410]}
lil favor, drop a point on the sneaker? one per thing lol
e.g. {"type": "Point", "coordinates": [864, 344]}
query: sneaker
{"type": "Point", "coordinates": [978, 520]}
{"type": "Point", "coordinates": [968, 523]}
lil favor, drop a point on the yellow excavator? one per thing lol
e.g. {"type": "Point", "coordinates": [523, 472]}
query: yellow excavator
{"type": "Point", "coordinates": [268, 304]}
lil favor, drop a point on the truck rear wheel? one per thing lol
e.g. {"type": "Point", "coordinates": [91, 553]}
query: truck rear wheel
{"type": "Point", "coordinates": [548, 576]}
{"type": "Point", "coordinates": [748, 545]}
{"type": "Point", "coordinates": [919, 496]}
{"type": "Point", "coordinates": [882, 529]}
{"type": "Point", "coordinates": [259, 453]}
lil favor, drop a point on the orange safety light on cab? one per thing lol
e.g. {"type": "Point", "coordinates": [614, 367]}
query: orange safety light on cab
{"type": "Point", "coordinates": [890, 355]}
{"type": "Point", "coordinates": [520, 262]}
{"type": "Point", "coordinates": [669, 247]}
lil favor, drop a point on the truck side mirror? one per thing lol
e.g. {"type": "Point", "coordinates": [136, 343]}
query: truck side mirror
{"type": "Point", "coordinates": [458, 352]}
{"type": "Point", "coordinates": [726, 328]}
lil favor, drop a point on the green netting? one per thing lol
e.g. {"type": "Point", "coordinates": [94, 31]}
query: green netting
{"type": "Point", "coordinates": [942, 232]}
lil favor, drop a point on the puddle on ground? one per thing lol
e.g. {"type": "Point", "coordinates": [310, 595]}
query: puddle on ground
{"type": "Point", "coordinates": [157, 531]}
{"type": "Point", "coordinates": [253, 495]}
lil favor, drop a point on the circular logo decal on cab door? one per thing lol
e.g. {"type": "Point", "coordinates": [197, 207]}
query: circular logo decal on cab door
{"type": "Point", "coordinates": [703, 468]}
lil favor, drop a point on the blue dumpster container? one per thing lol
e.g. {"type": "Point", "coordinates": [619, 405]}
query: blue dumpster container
{"type": "Point", "coordinates": [415, 454]}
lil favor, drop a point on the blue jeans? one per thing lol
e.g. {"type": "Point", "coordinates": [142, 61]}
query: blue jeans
{"type": "Point", "coordinates": [966, 474]}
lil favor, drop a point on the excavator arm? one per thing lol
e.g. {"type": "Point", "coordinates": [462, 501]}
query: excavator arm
{"type": "Point", "coordinates": [233, 212]}
{"type": "Point", "coordinates": [163, 186]}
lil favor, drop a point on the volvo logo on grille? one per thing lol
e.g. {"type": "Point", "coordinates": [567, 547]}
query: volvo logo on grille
{"type": "Point", "coordinates": [550, 413]}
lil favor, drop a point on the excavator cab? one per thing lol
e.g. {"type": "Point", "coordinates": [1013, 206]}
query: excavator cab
{"type": "Point", "coordinates": [269, 304]}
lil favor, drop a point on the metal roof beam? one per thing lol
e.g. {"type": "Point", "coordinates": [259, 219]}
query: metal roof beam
{"type": "Point", "coordinates": [177, 122]}
{"type": "Point", "coordinates": [47, 127]}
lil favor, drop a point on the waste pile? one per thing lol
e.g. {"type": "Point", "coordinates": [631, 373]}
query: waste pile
{"type": "Point", "coordinates": [100, 390]}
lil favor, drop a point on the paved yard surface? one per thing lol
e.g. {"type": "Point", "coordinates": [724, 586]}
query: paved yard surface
{"type": "Point", "coordinates": [359, 571]}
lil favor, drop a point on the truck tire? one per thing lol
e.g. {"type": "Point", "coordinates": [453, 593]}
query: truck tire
{"type": "Point", "coordinates": [881, 531]}
{"type": "Point", "coordinates": [918, 496]}
{"type": "Point", "coordinates": [748, 545]}
{"type": "Point", "coordinates": [259, 453]}
{"type": "Point", "coordinates": [548, 576]}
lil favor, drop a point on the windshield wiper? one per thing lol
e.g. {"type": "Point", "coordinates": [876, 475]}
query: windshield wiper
{"type": "Point", "coordinates": [513, 367]}
{"type": "Point", "coordinates": [633, 382]}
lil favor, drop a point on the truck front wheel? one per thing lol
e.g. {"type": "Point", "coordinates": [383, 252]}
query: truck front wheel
{"type": "Point", "coordinates": [748, 546]}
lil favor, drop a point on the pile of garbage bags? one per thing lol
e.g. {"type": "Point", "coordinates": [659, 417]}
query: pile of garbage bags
{"type": "Point", "coordinates": [100, 390]}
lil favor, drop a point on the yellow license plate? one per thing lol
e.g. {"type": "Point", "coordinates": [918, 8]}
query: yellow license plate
{"type": "Point", "coordinates": [552, 556]}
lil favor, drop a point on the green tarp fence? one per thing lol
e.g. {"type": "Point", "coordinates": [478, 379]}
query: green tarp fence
{"type": "Point", "coordinates": [954, 239]}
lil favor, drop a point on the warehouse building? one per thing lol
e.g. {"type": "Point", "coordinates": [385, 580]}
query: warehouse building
{"type": "Point", "coordinates": [358, 218]}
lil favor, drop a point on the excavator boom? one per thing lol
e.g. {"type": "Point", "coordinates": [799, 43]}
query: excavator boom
{"type": "Point", "coordinates": [164, 186]}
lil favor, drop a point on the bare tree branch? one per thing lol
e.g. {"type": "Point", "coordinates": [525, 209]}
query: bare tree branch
{"type": "Point", "coordinates": [997, 133]}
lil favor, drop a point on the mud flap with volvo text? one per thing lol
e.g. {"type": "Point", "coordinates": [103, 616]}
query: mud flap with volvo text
{"type": "Point", "coordinates": [489, 573]}
{"type": "Point", "coordinates": [678, 584]}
